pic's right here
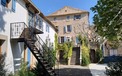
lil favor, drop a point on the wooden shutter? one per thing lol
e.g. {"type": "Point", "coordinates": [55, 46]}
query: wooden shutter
{"type": "Point", "coordinates": [3, 2]}
{"type": "Point", "coordinates": [70, 28]}
{"type": "Point", "coordinates": [64, 29]}
{"type": "Point", "coordinates": [13, 5]}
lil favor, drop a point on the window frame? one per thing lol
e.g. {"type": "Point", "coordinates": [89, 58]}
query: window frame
{"type": "Point", "coordinates": [77, 17]}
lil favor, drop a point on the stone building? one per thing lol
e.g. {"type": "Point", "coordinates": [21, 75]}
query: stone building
{"type": "Point", "coordinates": [71, 22]}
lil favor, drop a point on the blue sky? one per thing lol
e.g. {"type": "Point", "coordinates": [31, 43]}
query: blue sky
{"type": "Point", "coordinates": [49, 6]}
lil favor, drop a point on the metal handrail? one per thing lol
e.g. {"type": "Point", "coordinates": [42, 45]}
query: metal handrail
{"type": "Point", "coordinates": [45, 48]}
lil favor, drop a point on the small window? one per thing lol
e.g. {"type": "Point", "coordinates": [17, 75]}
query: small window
{"type": "Point", "coordinates": [77, 17]}
{"type": "Point", "coordinates": [47, 28]}
{"type": "Point", "coordinates": [68, 39]}
{"type": "Point", "coordinates": [69, 28]}
{"type": "Point", "coordinates": [62, 39]}
{"type": "Point", "coordinates": [41, 23]}
{"type": "Point", "coordinates": [54, 18]}
{"type": "Point", "coordinates": [68, 17]}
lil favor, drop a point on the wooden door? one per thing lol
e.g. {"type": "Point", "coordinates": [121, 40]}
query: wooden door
{"type": "Point", "coordinates": [75, 59]}
{"type": "Point", "coordinates": [92, 55]}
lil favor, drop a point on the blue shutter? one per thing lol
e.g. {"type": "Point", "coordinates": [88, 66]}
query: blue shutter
{"type": "Point", "coordinates": [3, 2]}
{"type": "Point", "coordinates": [65, 39]}
{"type": "Point", "coordinates": [77, 40]}
{"type": "Point", "coordinates": [70, 28]}
{"type": "Point", "coordinates": [64, 29]}
{"type": "Point", "coordinates": [48, 29]}
{"type": "Point", "coordinates": [13, 5]}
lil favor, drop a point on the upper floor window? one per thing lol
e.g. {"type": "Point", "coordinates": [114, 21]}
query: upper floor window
{"type": "Point", "coordinates": [47, 28]}
{"type": "Point", "coordinates": [55, 18]}
{"type": "Point", "coordinates": [7, 3]}
{"type": "Point", "coordinates": [68, 17]}
{"type": "Point", "coordinates": [67, 28]}
{"type": "Point", "coordinates": [41, 23]}
{"type": "Point", "coordinates": [77, 17]}
{"type": "Point", "coordinates": [4, 2]}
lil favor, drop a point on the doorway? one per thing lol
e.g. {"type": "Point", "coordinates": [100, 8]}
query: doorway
{"type": "Point", "coordinates": [92, 56]}
{"type": "Point", "coordinates": [75, 59]}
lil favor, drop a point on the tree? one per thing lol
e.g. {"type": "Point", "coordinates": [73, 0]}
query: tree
{"type": "Point", "coordinates": [108, 19]}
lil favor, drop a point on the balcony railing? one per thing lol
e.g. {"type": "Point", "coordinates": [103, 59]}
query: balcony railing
{"type": "Point", "coordinates": [17, 28]}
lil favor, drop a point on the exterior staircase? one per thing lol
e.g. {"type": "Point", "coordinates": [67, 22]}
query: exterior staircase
{"type": "Point", "coordinates": [37, 46]}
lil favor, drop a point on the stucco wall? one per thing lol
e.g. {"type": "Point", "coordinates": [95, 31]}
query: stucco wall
{"type": "Point", "coordinates": [7, 16]}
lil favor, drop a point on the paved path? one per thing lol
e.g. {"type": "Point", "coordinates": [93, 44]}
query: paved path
{"type": "Point", "coordinates": [97, 69]}
{"type": "Point", "coordinates": [74, 70]}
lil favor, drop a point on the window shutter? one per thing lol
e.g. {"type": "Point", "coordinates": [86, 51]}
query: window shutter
{"type": "Point", "coordinates": [65, 39]}
{"type": "Point", "coordinates": [13, 5]}
{"type": "Point", "coordinates": [3, 2]}
{"type": "Point", "coordinates": [64, 29]}
{"type": "Point", "coordinates": [48, 29]}
{"type": "Point", "coordinates": [77, 41]}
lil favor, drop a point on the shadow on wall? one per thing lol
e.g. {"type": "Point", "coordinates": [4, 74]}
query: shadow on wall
{"type": "Point", "coordinates": [3, 12]}
{"type": "Point", "coordinates": [73, 72]}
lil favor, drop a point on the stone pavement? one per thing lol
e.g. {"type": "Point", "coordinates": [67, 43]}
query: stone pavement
{"type": "Point", "coordinates": [97, 69]}
{"type": "Point", "coordinates": [73, 70]}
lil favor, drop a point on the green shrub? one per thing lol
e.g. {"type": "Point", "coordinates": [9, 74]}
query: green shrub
{"type": "Point", "coordinates": [114, 69]}
{"type": "Point", "coordinates": [24, 71]}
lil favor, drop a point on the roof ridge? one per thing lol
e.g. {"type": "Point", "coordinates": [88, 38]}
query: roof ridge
{"type": "Point", "coordinates": [54, 13]}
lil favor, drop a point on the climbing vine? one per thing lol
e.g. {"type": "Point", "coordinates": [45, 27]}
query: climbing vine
{"type": "Point", "coordinates": [85, 50]}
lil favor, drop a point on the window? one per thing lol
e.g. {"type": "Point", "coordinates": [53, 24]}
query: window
{"type": "Point", "coordinates": [62, 39]}
{"type": "Point", "coordinates": [47, 28]}
{"type": "Point", "coordinates": [77, 17]}
{"type": "Point", "coordinates": [41, 23]}
{"type": "Point", "coordinates": [68, 39]}
{"type": "Point", "coordinates": [67, 28]}
{"type": "Point", "coordinates": [13, 5]}
{"type": "Point", "coordinates": [54, 18]}
{"type": "Point", "coordinates": [68, 17]}
{"type": "Point", "coordinates": [31, 19]}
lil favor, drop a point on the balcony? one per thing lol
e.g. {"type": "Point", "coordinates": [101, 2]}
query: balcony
{"type": "Point", "coordinates": [20, 30]}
